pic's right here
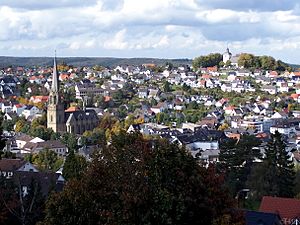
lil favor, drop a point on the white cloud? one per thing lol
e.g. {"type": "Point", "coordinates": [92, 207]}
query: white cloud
{"type": "Point", "coordinates": [163, 42]}
{"type": "Point", "coordinates": [168, 28]}
{"type": "Point", "coordinates": [117, 42]}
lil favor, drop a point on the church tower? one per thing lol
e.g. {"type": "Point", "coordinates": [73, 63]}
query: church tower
{"type": "Point", "coordinates": [55, 110]}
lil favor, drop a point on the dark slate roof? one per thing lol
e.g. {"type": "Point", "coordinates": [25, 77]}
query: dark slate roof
{"type": "Point", "coordinates": [8, 79]}
{"type": "Point", "coordinates": [262, 218]}
{"type": "Point", "coordinates": [11, 164]}
{"type": "Point", "coordinates": [82, 115]}
{"type": "Point", "coordinates": [48, 181]}
{"type": "Point", "coordinates": [201, 134]}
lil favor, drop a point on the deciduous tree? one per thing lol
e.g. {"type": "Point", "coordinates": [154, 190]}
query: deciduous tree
{"type": "Point", "coordinates": [139, 181]}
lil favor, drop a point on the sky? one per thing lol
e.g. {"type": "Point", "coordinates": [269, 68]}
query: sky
{"type": "Point", "coordinates": [150, 28]}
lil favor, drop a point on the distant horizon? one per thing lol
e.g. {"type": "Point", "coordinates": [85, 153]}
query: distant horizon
{"type": "Point", "coordinates": [116, 57]}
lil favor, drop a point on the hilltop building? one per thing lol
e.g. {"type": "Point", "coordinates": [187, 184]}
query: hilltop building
{"type": "Point", "coordinates": [227, 55]}
{"type": "Point", "coordinates": [232, 58]}
{"type": "Point", "coordinates": [74, 121]}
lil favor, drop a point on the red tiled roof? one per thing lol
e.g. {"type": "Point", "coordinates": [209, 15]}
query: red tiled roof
{"type": "Point", "coordinates": [296, 73]}
{"type": "Point", "coordinates": [206, 76]}
{"type": "Point", "coordinates": [212, 69]}
{"type": "Point", "coordinates": [261, 135]}
{"type": "Point", "coordinates": [107, 98]}
{"type": "Point", "coordinates": [230, 107]}
{"type": "Point", "coordinates": [273, 73]}
{"type": "Point", "coordinates": [72, 109]}
{"type": "Point", "coordinates": [287, 208]}
{"type": "Point", "coordinates": [64, 76]}
{"type": "Point", "coordinates": [295, 96]}
{"type": "Point", "coordinates": [18, 105]}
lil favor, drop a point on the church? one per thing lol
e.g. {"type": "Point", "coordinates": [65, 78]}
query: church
{"type": "Point", "coordinates": [73, 120]}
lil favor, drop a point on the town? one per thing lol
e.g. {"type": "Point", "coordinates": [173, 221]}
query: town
{"type": "Point", "coordinates": [57, 113]}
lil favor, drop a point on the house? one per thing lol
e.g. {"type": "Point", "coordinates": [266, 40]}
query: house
{"type": "Point", "coordinates": [209, 122]}
{"type": "Point", "coordinates": [272, 74]}
{"type": "Point", "coordinates": [262, 80]}
{"type": "Point", "coordinates": [270, 89]}
{"type": "Point", "coordinates": [9, 166]}
{"type": "Point", "coordinates": [10, 116]}
{"type": "Point", "coordinates": [226, 87]}
{"type": "Point", "coordinates": [231, 76]}
{"type": "Point", "coordinates": [143, 93]}
{"type": "Point", "coordinates": [191, 126]}
{"type": "Point", "coordinates": [21, 139]}
{"type": "Point", "coordinates": [229, 110]}
{"type": "Point", "coordinates": [18, 109]}
{"type": "Point", "coordinates": [279, 115]}
{"type": "Point", "coordinates": [30, 110]}
{"type": "Point", "coordinates": [202, 139]}
{"type": "Point", "coordinates": [237, 112]}
{"type": "Point", "coordinates": [6, 107]}
{"type": "Point", "coordinates": [154, 93]}
{"type": "Point", "coordinates": [87, 151]}
{"type": "Point", "coordinates": [258, 109]}
{"type": "Point", "coordinates": [287, 208]}
{"type": "Point", "coordinates": [221, 102]}
{"type": "Point", "coordinates": [283, 87]}
{"type": "Point", "coordinates": [39, 99]}
{"type": "Point", "coordinates": [87, 90]}
{"type": "Point", "coordinates": [209, 156]}
{"type": "Point", "coordinates": [296, 113]}
{"type": "Point", "coordinates": [283, 128]}
{"type": "Point", "coordinates": [160, 107]}
{"type": "Point", "coordinates": [53, 145]}
{"type": "Point", "coordinates": [47, 181]}
{"type": "Point", "coordinates": [134, 128]}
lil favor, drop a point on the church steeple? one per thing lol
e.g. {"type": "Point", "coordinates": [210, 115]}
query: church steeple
{"type": "Point", "coordinates": [55, 82]}
{"type": "Point", "coordinates": [55, 109]}
{"type": "Point", "coordinates": [54, 97]}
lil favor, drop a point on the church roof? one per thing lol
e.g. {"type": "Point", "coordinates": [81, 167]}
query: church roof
{"type": "Point", "coordinates": [81, 115]}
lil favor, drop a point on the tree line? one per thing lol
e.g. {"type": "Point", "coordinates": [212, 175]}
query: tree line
{"type": "Point", "coordinates": [245, 60]}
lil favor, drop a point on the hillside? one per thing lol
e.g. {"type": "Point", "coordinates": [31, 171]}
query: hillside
{"type": "Point", "coordinates": [6, 61]}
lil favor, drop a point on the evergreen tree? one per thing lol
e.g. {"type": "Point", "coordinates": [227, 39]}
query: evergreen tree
{"type": "Point", "coordinates": [275, 176]}
{"type": "Point", "coordinates": [74, 166]}
{"type": "Point", "coordinates": [237, 158]}
{"type": "Point", "coordinates": [277, 156]}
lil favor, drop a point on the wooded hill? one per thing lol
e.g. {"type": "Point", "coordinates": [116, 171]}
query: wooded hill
{"type": "Point", "coordinates": [6, 61]}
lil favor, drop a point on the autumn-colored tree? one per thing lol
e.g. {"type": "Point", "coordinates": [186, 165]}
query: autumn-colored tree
{"type": "Point", "coordinates": [246, 60]}
{"type": "Point", "coordinates": [47, 160]}
{"type": "Point", "coordinates": [139, 181]}
{"type": "Point", "coordinates": [21, 124]}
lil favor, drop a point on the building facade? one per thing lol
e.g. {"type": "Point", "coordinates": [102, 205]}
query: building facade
{"type": "Point", "coordinates": [59, 120]}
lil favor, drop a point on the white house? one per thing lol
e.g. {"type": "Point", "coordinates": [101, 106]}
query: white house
{"type": "Point", "coordinates": [18, 109]}
{"type": "Point", "coordinates": [285, 129]}
{"type": "Point", "coordinates": [30, 111]}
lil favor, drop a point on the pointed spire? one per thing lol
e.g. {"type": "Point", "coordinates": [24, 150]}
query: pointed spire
{"type": "Point", "coordinates": [55, 84]}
